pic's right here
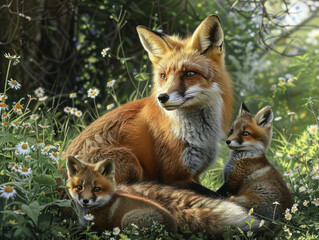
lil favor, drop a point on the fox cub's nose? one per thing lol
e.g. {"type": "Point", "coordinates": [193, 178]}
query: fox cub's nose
{"type": "Point", "coordinates": [228, 141]}
{"type": "Point", "coordinates": [86, 201]}
{"type": "Point", "coordinates": [163, 97]}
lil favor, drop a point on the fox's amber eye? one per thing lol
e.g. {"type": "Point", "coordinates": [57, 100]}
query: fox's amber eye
{"type": "Point", "coordinates": [231, 131]}
{"type": "Point", "coordinates": [79, 187]}
{"type": "Point", "coordinates": [245, 133]}
{"type": "Point", "coordinates": [163, 76]}
{"type": "Point", "coordinates": [190, 73]}
{"type": "Point", "coordinates": [96, 189]}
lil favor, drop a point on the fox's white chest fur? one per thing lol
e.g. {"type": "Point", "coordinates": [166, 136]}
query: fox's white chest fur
{"type": "Point", "coordinates": [200, 130]}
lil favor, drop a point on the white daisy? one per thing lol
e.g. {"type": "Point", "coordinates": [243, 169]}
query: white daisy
{"type": "Point", "coordinates": [78, 113]}
{"type": "Point", "coordinates": [72, 95]}
{"type": "Point", "coordinates": [290, 155]}
{"type": "Point", "coordinates": [73, 111]}
{"type": "Point", "coordinates": [28, 158]}
{"type": "Point", "coordinates": [7, 192]}
{"type": "Point", "coordinates": [19, 212]}
{"type": "Point", "coordinates": [25, 171]}
{"type": "Point", "coordinates": [39, 92]}
{"type": "Point", "coordinates": [302, 189]}
{"type": "Point", "coordinates": [273, 87]}
{"type": "Point", "coordinates": [116, 231]}
{"type": "Point", "coordinates": [291, 113]}
{"type": "Point", "coordinates": [54, 156]}
{"type": "Point", "coordinates": [6, 124]}
{"type": "Point", "coordinates": [313, 37]}
{"type": "Point", "coordinates": [12, 165]}
{"type": "Point", "coordinates": [13, 58]}
{"type": "Point", "coordinates": [3, 106]}
{"type": "Point", "coordinates": [305, 203]}
{"type": "Point", "coordinates": [67, 109]}
{"type": "Point", "coordinates": [3, 97]}
{"type": "Point", "coordinates": [43, 126]}
{"type": "Point", "coordinates": [251, 211]}
{"type": "Point", "coordinates": [288, 173]}
{"type": "Point", "coordinates": [45, 151]}
{"type": "Point", "coordinates": [34, 117]}
{"type": "Point", "coordinates": [276, 203]}
{"type": "Point", "coordinates": [249, 233]}
{"type": "Point", "coordinates": [313, 129]}
{"type": "Point", "coordinates": [16, 125]}
{"type": "Point", "coordinates": [110, 106]}
{"type": "Point", "coordinates": [288, 216]}
{"type": "Point", "coordinates": [277, 118]}
{"type": "Point", "coordinates": [104, 51]}
{"type": "Point", "coordinates": [110, 83]}
{"type": "Point", "coordinates": [26, 125]}
{"type": "Point", "coordinates": [92, 93]}
{"type": "Point", "coordinates": [294, 208]}
{"type": "Point", "coordinates": [88, 217]}
{"type": "Point", "coordinates": [23, 148]}
{"type": "Point", "coordinates": [14, 84]}
{"type": "Point", "coordinates": [262, 222]}
{"type": "Point", "coordinates": [5, 115]}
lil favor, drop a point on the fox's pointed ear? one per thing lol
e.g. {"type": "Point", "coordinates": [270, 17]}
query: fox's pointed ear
{"type": "Point", "coordinates": [155, 43]}
{"type": "Point", "coordinates": [106, 167]}
{"type": "Point", "coordinates": [209, 36]}
{"type": "Point", "coordinates": [243, 109]}
{"type": "Point", "coordinates": [264, 116]}
{"type": "Point", "coordinates": [73, 166]}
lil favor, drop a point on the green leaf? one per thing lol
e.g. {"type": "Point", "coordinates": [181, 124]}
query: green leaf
{"type": "Point", "coordinates": [60, 203]}
{"type": "Point", "coordinates": [32, 210]}
{"type": "Point", "coordinates": [44, 180]}
{"type": "Point", "coordinates": [141, 77]}
{"type": "Point", "coordinates": [9, 138]}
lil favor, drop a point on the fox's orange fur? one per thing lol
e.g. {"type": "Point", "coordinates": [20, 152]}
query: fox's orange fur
{"type": "Point", "coordinates": [172, 135]}
{"type": "Point", "coordinates": [249, 177]}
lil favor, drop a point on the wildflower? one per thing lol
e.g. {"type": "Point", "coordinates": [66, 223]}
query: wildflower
{"type": "Point", "coordinates": [3, 97]}
{"type": "Point", "coordinates": [104, 51]}
{"type": "Point", "coordinates": [302, 189]}
{"type": "Point", "coordinates": [6, 124]}
{"type": "Point", "coordinates": [3, 106]}
{"type": "Point", "coordinates": [15, 124]}
{"type": "Point", "coordinates": [18, 108]}
{"type": "Point", "coordinates": [54, 156]}
{"type": "Point", "coordinates": [288, 173]}
{"type": "Point", "coordinates": [249, 233]}
{"type": "Point", "coordinates": [305, 203]}
{"type": "Point", "coordinates": [251, 211]}
{"type": "Point", "coordinates": [273, 87]}
{"type": "Point", "coordinates": [92, 93]}
{"type": "Point", "coordinates": [294, 208]}
{"type": "Point", "coordinates": [26, 125]}
{"type": "Point", "coordinates": [39, 92]}
{"type": "Point", "coordinates": [291, 113]}
{"type": "Point", "coordinates": [281, 81]}
{"type": "Point", "coordinates": [313, 129]}
{"type": "Point", "coordinates": [14, 84]}
{"type": "Point", "coordinates": [297, 167]}
{"type": "Point", "coordinates": [279, 154]}
{"type": "Point", "coordinates": [262, 222]}
{"type": "Point", "coordinates": [43, 126]}
{"type": "Point", "coordinates": [316, 202]}
{"type": "Point", "coordinates": [134, 226]}
{"type": "Point", "coordinates": [28, 157]}
{"type": "Point", "coordinates": [110, 106]}
{"type": "Point", "coordinates": [72, 95]}
{"type": "Point", "coordinates": [116, 231]}
{"type": "Point", "coordinates": [110, 83]}
{"type": "Point", "coordinates": [11, 165]}
{"type": "Point", "coordinates": [73, 111]}
{"type": "Point", "coordinates": [45, 151]}
{"type": "Point", "coordinates": [34, 117]}
{"type": "Point", "coordinates": [25, 171]}
{"type": "Point", "coordinates": [7, 192]}
{"type": "Point", "coordinates": [67, 109]}
{"type": "Point", "coordinates": [19, 212]}
{"type": "Point", "coordinates": [14, 58]}
{"type": "Point", "coordinates": [88, 217]}
{"type": "Point", "coordinates": [287, 210]}
{"type": "Point", "coordinates": [276, 203]}
{"type": "Point", "coordinates": [278, 118]}
{"type": "Point", "coordinates": [23, 148]}
{"type": "Point", "coordinates": [16, 168]}
{"type": "Point", "coordinates": [313, 37]}
{"type": "Point", "coordinates": [4, 115]}
{"type": "Point", "coordinates": [290, 155]}
{"type": "Point", "coordinates": [78, 113]}
{"type": "Point", "coordinates": [288, 216]}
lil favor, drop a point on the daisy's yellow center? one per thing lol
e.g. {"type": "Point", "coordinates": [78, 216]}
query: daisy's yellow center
{"type": "Point", "coordinates": [273, 86]}
{"type": "Point", "coordinates": [28, 157]}
{"type": "Point", "coordinates": [6, 123]}
{"type": "Point", "coordinates": [4, 115]}
{"type": "Point", "coordinates": [16, 167]}
{"type": "Point", "coordinates": [12, 164]}
{"type": "Point", "coordinates": [72, 94]}
{"type": "Point", "coordinates": [14, 82]}
{"type": "Point", "coordinates": [45, 149]}
{"type": "Point", "coordinates": [18, 106]}
{"type": "Point", "coordinates": [291, 154]}
{"type": "Point", "coordinates": [24, 169]}
{"type": "Point", "coordinates": [39, 140]}
{"type": "Point", "coordinates": [3, 105]}
{"type": "Point", "coordinates": [317, 201]}
{"type": "Point", "coordinates": [288, 171]}
{"type": "Point", "coordinates": [316, 35]}
{"type": "Point", "coordinates": [16, 123]}
{"type": "Point", "coordinates": [8, 189]}
{"type": "Point", "coordinates": [110, 82]}
{"type": "Point", "coordinates": [26, 125]}
{"type": "Point", "coordinates": [313, 129]}
{"type": "Point", "coordinates": [19, 211]}
{"type": "Point", "coordinates": [24, 146]}
{"type": "Point", "coordinates": [55, 154]}
{"type": "Point", "coordinates": [93, 92]}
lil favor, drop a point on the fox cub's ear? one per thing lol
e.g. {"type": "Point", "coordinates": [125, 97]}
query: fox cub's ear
{"type": "Point", "coordinates": [106, 167]}
{"type": "Point", "coordinates": [155, 43]}
{"type": "Point", "coordinates": [73, 166]}
{"type": "Point", "coordinates": [209, 36]}
{"type": "Point", "coordinates": [243, 109]}
{"type": "Point", "coordinates": [264, 116]}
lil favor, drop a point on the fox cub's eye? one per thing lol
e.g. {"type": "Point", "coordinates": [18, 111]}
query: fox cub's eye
{"type": "Point", "coordinates": [231, 131]}
{"type": "Point", "coordinates": [190, 73]}
{"type": "Point", "coordinates": [79, 187]}
{"type": "Point", "coordinates": [96, 189]}
{"type": "Point", "coordinates": [163, 76]}
{"type": "Point", "coordinates": [245, 133]}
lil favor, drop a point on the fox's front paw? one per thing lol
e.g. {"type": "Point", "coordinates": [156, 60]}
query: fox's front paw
{"type": "Point", "coordinates": [231, 197]}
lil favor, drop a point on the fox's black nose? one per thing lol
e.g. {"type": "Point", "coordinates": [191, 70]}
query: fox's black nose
{"type": "Point", "coordinates": [163, 97]}
{"type": "Point", "coordinates": [228, 141]}
{"type": "Point", "coordinates": [86, 201]}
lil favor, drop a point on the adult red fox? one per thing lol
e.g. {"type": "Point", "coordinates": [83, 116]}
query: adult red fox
{"type": "Point", "coordinates": [91, 186]}
{"type": "Point", "coordinates": [171, 136]}
{"type": "Point", "coordinates": [248, 176]}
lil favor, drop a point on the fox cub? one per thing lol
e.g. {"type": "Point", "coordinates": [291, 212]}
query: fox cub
{"type": "Point", "coordinates": [249, 177]}
{"type": "Point", "coordinates": [91, 186]}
